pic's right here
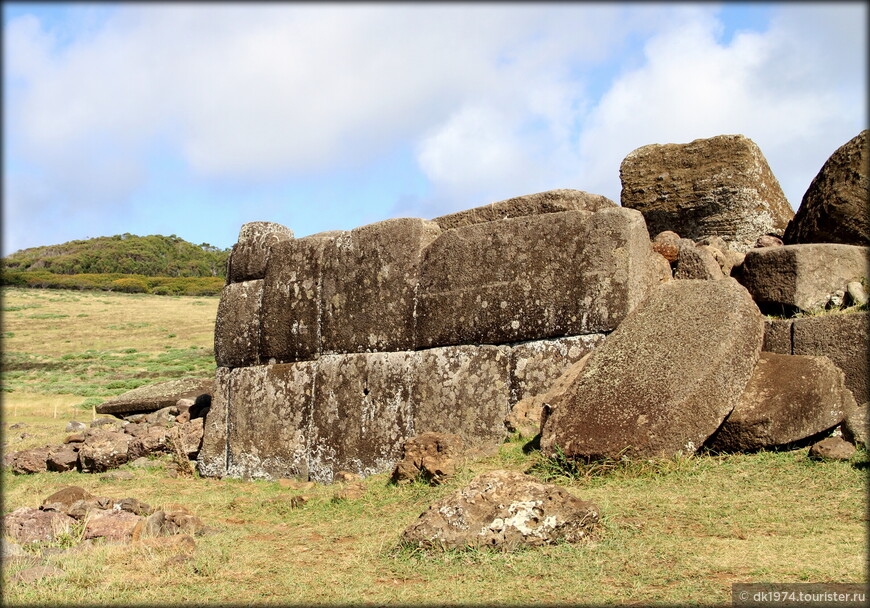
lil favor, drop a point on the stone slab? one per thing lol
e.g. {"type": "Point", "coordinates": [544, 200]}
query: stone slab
{"type": "Point", "coordinates": [535, 277]}
{"type": "Point", "coordinates": [777, 336]}
{"type": "Point", "coordinates": [250, 255]}
{"type": "Point", "coordinates": [153, 397]}
{"type": "Point", "coordinates": [212, 458]}
{"type": "Point", "coordinates": [237, 327]}
{"type": "Point", "coordinates": [369, 286]}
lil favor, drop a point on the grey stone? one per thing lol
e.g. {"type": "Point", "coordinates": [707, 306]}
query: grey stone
{"type": "Point", "coordinates": [665, 380]}
{"type": "Point", "coordinates": [696, 262]}
{"type": "Point", "coordinates": [268, 421]}
{"type": "Point", "coordinates": [250, 255]}
{"type": "Point", "coordinates": [369, 286]}
{"type": "Point", "coordinates": [832, 448]}
{"type": "Point", "coordinates": [212, 458]}
{"type": "Point", "coordinates": [789, 398]}
{"type": "Point", "coordinates": [535, 277]}
{"type": "Point", "coordinates": [9, 549]}
{"type": "Point", "coordinates": [856, 425]}
{"type": "Point", "coordinates": [719, 186]}
{"type": "Point", "coordinates": [506, 510]}
{"type": "Point", "coordinates": [551, 201]}
{"type": "Point", "coordinates": [237, 327]}
{"type": "Point", "coordinates": [153, 397]}
{"type": "Point", "coordinates": [73, 426]}
{"type": "Point", "coordinates": [857, 293]}
{"type": "Point", "coordinates": [835, 208]}
{"type": "Point", "coordinates": [802, 277]}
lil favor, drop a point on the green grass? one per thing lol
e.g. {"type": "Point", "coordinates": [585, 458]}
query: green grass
{"type": "Point", "coordinates": [673, 531]}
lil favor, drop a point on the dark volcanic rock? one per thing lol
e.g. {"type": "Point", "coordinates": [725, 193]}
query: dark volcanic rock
{"type": "Point", "coordinates": [154, 397]}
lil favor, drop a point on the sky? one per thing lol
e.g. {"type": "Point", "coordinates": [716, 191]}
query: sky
{"type": "Point", "coordinates": [192, 119]}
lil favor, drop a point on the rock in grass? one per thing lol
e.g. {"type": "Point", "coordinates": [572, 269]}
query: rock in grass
{"type": "Point", "coordinates": [30, 525]}
{"type": "Point", "coordinates": [503, 509]}
{"type": "Point", "coordinates": [856, 425]}
{"type": "Point", "coordinates": [832, 448]}
{"type": "Point", "coordinates": [36, 573]}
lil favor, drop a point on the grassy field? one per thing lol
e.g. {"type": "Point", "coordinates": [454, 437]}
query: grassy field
{"type": "Point", "coordinates": [673, 532]}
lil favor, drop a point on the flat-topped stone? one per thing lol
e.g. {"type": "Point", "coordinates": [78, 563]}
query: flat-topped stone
{"type": "Point", "coordinates": [153, 397]}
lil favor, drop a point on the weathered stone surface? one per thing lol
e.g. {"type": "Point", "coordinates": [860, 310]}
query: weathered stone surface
{"type": "Point", "coordinates": [836, 208]}
{"type": "Point", "coordinates": [535, 365]}
{"type": "Point", "coordinates": [30, 525]}
{"type": "Point", "coordinates": [237, 327]}
{"type": "Point", "coordinates": [251, 254]}
{"type": "Point", "coordinates": [802, 277]}
{"type": "Point", "coordinates": [212, 458]}
{"type": "Point", "coordinates": [292, 304]}
{"type": "Point", "coordinates": [112, 525]}
{"type": "Point", "coordinates": [26, 462]}
{"type": "Point", "coordinates": [190, 436]}
{"type": "Point", "coordinates": [268, 421]}
{"type": "Point", "coordinates": [74, 427]}
{"type": "Point", "coordinates": [788, 398]}
{"type": "Point", "coordinates": [503, 509]}
{"type": "Point", "coordinates": [151, 440]}
{"type": "Point", "coordinates": [103, 451]}
{"type": "Point", "coordinates": [696, 262]}
{"type": "Point", "coordinates": [777, 336]}
{"type": "Point", "coordinates": [551, 201]}
{"type": "Point", "coordinates": [64, 498]}
{"type": "Point", "coordinates": [153, 397]}
{"type": "Point", "coordinates": [64, 458]}
{"type": "Point", "coordinates": [845, 340]}
{"type": "Point", "coordinates": [535, 277]}
{"type": "Point", "coordinates": [36, 573]}
{"type": "Point", "coordinates": [369, 286]}
{"type": "Point", "coordinates": [831, 448]}
{"type": "Point", "coordinates": [665, 380]}
{"type": "Point", "coordinates": [857, 293]}
{"type": "Point", "coordinates": [768, 240]}
{"type": "Point", "coordinates": [362, 415]}
{"type": "Point", "coordinates": [528, 415]}
{"type": "Point", "coordinates": [162, 417]}
{"type": "Point", "coordinates": [430, 456]}
{"type": "Point", "coordinates": [718, 186]}
{"type": "Point", "coordinates": [856, 425]}
{"type": "Point", "coordinates": [463, 390]}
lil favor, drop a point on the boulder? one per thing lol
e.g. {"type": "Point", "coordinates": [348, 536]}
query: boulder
{"type": "Point", "coordinates": [251, 254]}
{"type": "Point", "coordinates": [503, 509]}
{"type": "Point", "coordinates": [535, 277]}
{"type": "Point", "coordinates": [369, 287]}
{"type": "Point", "coordinates": [27, 462]}
{"type": "Point", "coordinates": [664, 381]}
{"type": "Point", "coordinates": [832, 448]}
{"type": "Point", "coordinates": [64, 498]}
{"type": "Point", "coordinates": [111, 525]}
{"type": "Point", "coordinates": [237, 327]}
{"type": "Point", "coordinates": [432, 457]}
{"type": "Point", "coordinates": [697, 262]}
{"type": "Point", "coordinates": [769, 240]}
{"type": "Point", "coordinates": [73, 427]}
{"type": "Point", "coordinates": [103, 451]}
{"type": "Point", "coordinates": [789, 398]}
{"type": "Point", "coordinates": [835, 208]}
{"type": "Point", "coordinates": [856, 425]}
{"type": "Point", "coordinates": [718, 186]}
{"type": "Point", "coordinates": [551, 201]}
{"type": "Point", "coordinates": [153, 397]}
{"type": "Point", "coordinates": [151, 440]}
{"type": "Point", "coordinates": [30, 525]}
{"type": "Point", "coordinates": [667, 244]}
{"type": "Point", "coordinates": [190, 435]}
{"type": "Point", "coordinates": [802, 277]}
{"type": "Point", "coordinates": [62, 458]}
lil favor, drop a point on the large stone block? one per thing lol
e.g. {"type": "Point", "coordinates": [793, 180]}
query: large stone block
{"type": "Point", "coordinates": [212, 458]}
{"type": "Point", "coordinates": [535, 277]}
{"type": "Point", "coordinates": [836, 207]}
{"type": "Point", "coordinates": [237, 327]}
{"type": "Point", "coordinates": [152, 397]}
{"type": "Point", "coordinates": [250, 255]}
{"type": "Point", "coordinates": [802, 277]}
{"type": "Point", "coordinates": [551, 201]}
{"type": "Point", "coordinates": [463, 390]}
{"type": "Point", "coordinates": [789, 398]}
{"type": "Point", "coordinates": [369, 286]}
{"type": "Point", "coordinates": [268, 419]}
{"type": "Point", "coordinates": [777, 336]}
{"type": "Point", "coordinates": [665, 380]}
{"type": "Point", "coordinates": [719, 186]}
{"type": "Point", "coordinates": [362, 413]}
{"type": "Point", "coordinates": [292, 303]}
{"type": "Point", "coordinates": [536, 365]}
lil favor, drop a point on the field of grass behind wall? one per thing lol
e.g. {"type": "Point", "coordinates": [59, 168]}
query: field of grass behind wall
{"type": "Point", "coordinates": [673, 532]}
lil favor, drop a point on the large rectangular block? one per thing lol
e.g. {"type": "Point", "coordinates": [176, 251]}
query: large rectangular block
{"type": "Point", "coordinates": [369, 285]}
{"type": "Point", "coordinates": [268, 420]}
{"type": "Point", "coordinates": [362, 413]}
{"type": "Point", "coordinates": [212, 459]}
{"type": "Point", "coordinates": [250, 255]}
{"type": "Point", "coordinates": [463, 390]}
{"type": "Point", "coordinates": [535, 277]}
{"type": "Point", "coordinates": [291, 312]}
{"type": "Point", "coordinates": [237, 326]}
{"type": "Point", "coordinates": [536, 365]}
{"type": "Point", "coordinates": [777, 336]}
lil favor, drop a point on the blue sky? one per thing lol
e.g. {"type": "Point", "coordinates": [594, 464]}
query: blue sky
{"type": "Point", "coordinates": [191, 119]}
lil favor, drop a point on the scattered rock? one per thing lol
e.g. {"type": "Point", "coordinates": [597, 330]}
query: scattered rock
{"type": "Point", "coordinates": [150, 440]}
{"type": "Point", "coordinates": [297, 502]}
{"type": "Point", "coordinates": [117, 476]}
{"type": "Point", "coordinates": [832, 448]}
{"type": "Point", "coordinates": [114, 525]}
{"type": "Point", "coordinates": [353, 491]}
{"type": "Point", "coordinates": [293, 484]}
{"type": "Point", "coordinates": [503, 509]}
{"type": "Point", "coordinates": [36, 573]}
{"type": "Point", "coordinates": [30, 525]}
{"type": "Point", "coordinates": [9, 549]}
{"type": "Point", "coordinates": [162, 417]}
{"type": "Point", "coordinates": [430, 456]}
{"type": "Point", "coordinates": [104, 451]}
{"type": "Point", "coordinates": [65, 498]}
{"type": "Point", "coordinates": [697, 262]}
{"type": "Point", "coordinates": [26, 462]}
{"type": "Point", "coordinates": [111, 423]}
{"type": "Point", "coordinates": [75, 427]}
{"type": "Point", "coordinates": [63, 459]}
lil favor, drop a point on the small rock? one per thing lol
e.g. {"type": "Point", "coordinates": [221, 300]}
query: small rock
{"type": "Point", "coordinates": [832, 448]}
{"type": "Point", "coordinates": [431, 456]}
{"type": "Point", "coordinates": [18, 425]}
{"type": "Point", "coordinates": [856, 424]}
{"type": "Point", "coordinates": [768, 240]}
{"type": "Point", "coordinates": [36, 573]}
{"type": "Point", "coordinates": [292, 484]}
{"type": "Point", "coordinates": [10, 549]}
{"type": "Point", "coordinates": [132, 505]}
{"type": "Point", "coordinates": [163, 416]}
{"type": "Point", "coordinates": [113, 423]}
{"type": "Point", "coordinates": [347, 476]}
{"type": "Point", "coordinates": [354, 491]}
{"type": "Point", "coordinates": [65, 498]}
{"type": "Point", "coordinates": [112, 525]}
{"type": "Point", "coordinates": [75, 438]}
{"type": "Point", "coordinates": [30, 525]}
{"type": "Point", "coordinates": [143, 462]}
{"type": "Point", "coordinates": [117, 476]}
{"type": "Point", "coordinates": [837, 299]}
{"type": "Point", "coordinates": [75, 427]}
{"type": "Point", "coordinates": [299, 501]}
{"type": "Point", "coordinates": [135, 418]}
{"type": "Point", "coordinates": [63, 459]}
{"type": "Point", "coordinates": [857, 293]}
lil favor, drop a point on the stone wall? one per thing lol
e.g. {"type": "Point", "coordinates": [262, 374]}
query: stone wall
{"type": "Point", "coordinates": [336, 348]}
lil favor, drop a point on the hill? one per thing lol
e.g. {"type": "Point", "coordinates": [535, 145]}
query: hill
{"type": "Point", "coordinates": [154, 256]}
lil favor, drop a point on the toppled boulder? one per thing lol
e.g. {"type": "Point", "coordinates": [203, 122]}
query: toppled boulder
{"type": "Point", "coordinates": [430, 456]}
{"type": "Point", "coordinates": [831, 448]}
{"type": "Point", "coordinates": [503, 509]}
{"type": "Point", "coordinates": [664, 381]}
{"type": "Point", "coordinates": [802, 277]}
{"type": "Point", "coordinates": [718, 186]}
{"type": "Point", "coordinates": [153, 397]}
{"type": "Point", "coordinates": [789, 398]}
{"type": "Point", "coordinates": [835, 208]}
